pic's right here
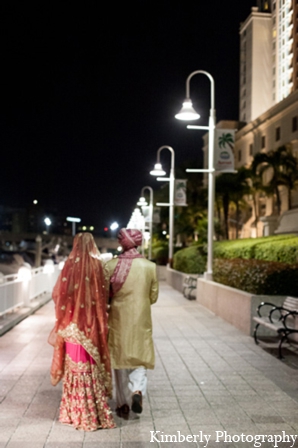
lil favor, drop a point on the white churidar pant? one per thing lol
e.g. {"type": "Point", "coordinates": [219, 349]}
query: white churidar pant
{"type": "Point", "coordinates": [128, 381]}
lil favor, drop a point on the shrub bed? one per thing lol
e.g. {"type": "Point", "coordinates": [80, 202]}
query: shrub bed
{"type": "Point", "coordinates": [257, 276]}
{"type": "Point", "coordinates": [191, 260]}
{"type": "Point", "coordinates": [283, 248]}
{"type": "Point", "coordinates": [160, 252]}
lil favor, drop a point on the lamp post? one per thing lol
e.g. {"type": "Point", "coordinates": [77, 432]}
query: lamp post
{"type": "Point", "coordinates": [47, 222]}
{"type": "Point", "coordinates": [187, 113]}
{"type": "Point", "coordinates": [114, 226]}
{"type": "Point", "coordinates": [137, 222]}
{"type": "Point", "coordinates": [73, 221]}
{"type": "Point", "coordinates": [141, 203]}
{"type": "Point", "coordinates": [158, 171]}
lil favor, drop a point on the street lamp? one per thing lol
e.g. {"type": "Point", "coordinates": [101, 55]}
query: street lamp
{"type": "Point", "coordinates": [114, 226]}
{"type": "Point", "coordinates": [142, 202]}
{"type": "Point", "coordinates": [73, 221]}
{"type": "Point", "coordinates": [137, 222]}
{"type": "Point", "coordinates": [188, 113]}
{"type": "Point", "coordinates": [158, 171]}
{"type": "Point", "coordinates": [47, 222]}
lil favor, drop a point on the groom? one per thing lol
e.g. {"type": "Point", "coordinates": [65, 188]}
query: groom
{"type": "Point", "coordinates": [134, 288]}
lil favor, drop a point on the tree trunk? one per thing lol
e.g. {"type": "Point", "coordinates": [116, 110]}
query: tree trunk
{"type": "Point", "coordinates": [289, 199]}
{"type": "Point", "coordinates": [278, 201]}
{"type": "Point", "coordinates": [254, 199]}
{"type": "Point", "coordinates": [218, 211]}
{"type": "Point", "coordinates": [226, 201]}
{"type": "Point", "coordinates": [237, 219]}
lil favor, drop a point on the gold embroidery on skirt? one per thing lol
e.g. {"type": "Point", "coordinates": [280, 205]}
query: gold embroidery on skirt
{"type": "Point", "coordinates": [84, 403]}
{"type": "Point", "coordinates": [72, 331]}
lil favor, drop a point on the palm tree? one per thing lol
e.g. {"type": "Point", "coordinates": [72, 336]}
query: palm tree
{"type": "Point", "coordinates": [232, 188]}
{"type": "Point", "coordinates": [241, 190]}
{"type": "Point", "coordinates": [289, 174]}
{"type": "Point", "coordinates": [256, 187]}
{"type": "Point", "coordinates": [282, 166]}
{"type": "Point", "coordinates": [226, 139]}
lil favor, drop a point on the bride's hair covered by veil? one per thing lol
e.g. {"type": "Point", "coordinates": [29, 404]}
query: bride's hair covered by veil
{"type": "Point", "coordinates": [80, 297]}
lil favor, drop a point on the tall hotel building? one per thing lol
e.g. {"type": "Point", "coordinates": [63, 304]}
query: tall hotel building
{"type": "Point", "coordinates": [268, 56]}
{"type": "Point", "coordinates": [268, 97]}
{"type": "Point", "coordinates": [268, 106]}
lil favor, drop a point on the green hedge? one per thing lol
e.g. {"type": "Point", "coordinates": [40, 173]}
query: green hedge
{"type": "Point", "coordinates": [160, 252]}
{"type": "Point", "coordinates": [283, 248]}
{"type": "Point", "coordinates": [191, 260]}
{"type": "Point", "coordinates": [257, 276]}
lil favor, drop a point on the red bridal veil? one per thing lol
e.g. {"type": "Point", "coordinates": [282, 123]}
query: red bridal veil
{"type": "Point", "coordinates": [80, 296]}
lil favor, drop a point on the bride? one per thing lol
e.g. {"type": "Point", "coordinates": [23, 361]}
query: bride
{"type": "Point", "coordinates": [81, 354]}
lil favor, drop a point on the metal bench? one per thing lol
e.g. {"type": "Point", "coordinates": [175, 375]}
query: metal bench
{"type": "Point", "coordinates": [189, 285]}
{"type": "Point", "coordinates": [281, 319]}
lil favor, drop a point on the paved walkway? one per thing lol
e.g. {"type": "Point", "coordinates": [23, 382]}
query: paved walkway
{"type": "Point", "coordinates": [209, 378]}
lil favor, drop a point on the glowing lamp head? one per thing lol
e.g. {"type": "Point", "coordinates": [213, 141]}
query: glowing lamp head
{"type": "Point", "coordinates": [157, 171]}
{"type": "Point", "coordinates": [142, 202]}
{"type": "Point", "coordinates": [114, 226]}
{"type": "Point", "coordinates": [47, 221]}
{"type": "Point", "coordinates": [187, 113]}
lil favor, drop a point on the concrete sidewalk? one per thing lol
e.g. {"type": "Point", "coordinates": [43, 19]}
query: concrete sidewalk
{"type": "Point", "coordinates": [209, 378]}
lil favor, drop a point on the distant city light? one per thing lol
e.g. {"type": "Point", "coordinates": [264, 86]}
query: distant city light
{"type": "Point", "coordinates": [91, 228]}
{"type": "Point", "coordinates": [114, 226]}
{"type": "Point", "coordinates": [35, 201]}
{"type": "Point", "coordinates": [84, 228]}
{"type": "Point", "coordinates": [105, 229]}
{"type": "Point", "coordinates": [47, 221]}
{"type": "Point", "coordinates": [71, 219]}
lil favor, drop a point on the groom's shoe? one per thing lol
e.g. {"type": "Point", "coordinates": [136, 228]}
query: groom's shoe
{"type": "Point", "coordinates": [123, 411]}
{"type": "Point", "coordinates": [137, 406]}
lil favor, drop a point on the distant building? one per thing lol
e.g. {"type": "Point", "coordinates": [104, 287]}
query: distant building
{"type": "Point", "coordinates": [268, 57]}
{"type": "Point", "coordinates": [30, 220]}
{"type": "Point", "coordinates": [255, 65]}
{"type": "Point", "coordinates": [276, 127]}
{"type": "Point", "coordinates": [268, 98]}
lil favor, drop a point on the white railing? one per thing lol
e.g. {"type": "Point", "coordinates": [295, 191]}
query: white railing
{"type": "Point", "coordinates": [16, 292]}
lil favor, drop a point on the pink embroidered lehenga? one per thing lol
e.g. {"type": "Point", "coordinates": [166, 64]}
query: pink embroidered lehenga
{"type": "Point", "coordinates": [81, 354]}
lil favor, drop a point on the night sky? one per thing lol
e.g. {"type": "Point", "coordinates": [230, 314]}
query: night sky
{"type": "Point", "coordinates": [89, 94]}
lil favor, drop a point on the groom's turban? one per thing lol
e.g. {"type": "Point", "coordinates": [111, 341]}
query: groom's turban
{"type": "Point", "coordinates": [129, 238]}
